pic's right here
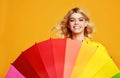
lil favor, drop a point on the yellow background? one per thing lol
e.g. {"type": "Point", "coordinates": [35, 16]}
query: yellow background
{"type": "Point", "coordinates": [24, 22]}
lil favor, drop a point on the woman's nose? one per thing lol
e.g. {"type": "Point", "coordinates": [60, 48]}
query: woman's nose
{"type": "Point", "coordinates": [76, 22]}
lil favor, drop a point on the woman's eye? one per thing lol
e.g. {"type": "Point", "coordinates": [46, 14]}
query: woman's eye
{"type": "Point", "coordinates": [71, 20]}
{"type": "Point", "coordinates": [81, 20]}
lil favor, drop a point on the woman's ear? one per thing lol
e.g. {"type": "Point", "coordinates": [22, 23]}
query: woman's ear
{"type": "Point", "coordinates": [86, 23]}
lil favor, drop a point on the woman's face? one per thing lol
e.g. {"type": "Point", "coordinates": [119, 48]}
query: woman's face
{"type": "Point", "coordinates": [77, 23]}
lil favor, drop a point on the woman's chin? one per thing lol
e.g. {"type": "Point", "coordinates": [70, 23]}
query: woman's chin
{"type": "Point", "coordinates": [77, 32]}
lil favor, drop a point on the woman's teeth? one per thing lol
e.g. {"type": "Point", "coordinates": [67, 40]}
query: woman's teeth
{"type": "Point", "coordinates": [76, 27]}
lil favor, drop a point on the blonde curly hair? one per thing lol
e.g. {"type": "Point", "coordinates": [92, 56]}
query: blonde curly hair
{"type": "Point", "coordinates": [64, 30]}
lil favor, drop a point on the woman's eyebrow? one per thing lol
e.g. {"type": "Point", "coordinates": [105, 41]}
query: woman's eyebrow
{"type": "Point", "coordinates": [75, 18]}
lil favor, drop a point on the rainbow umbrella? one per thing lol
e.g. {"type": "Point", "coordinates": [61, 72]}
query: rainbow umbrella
{"type": "Point", "coordinates": [63, 58]}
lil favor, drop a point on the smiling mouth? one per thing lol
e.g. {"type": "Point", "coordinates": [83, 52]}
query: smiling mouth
{"type": "Point", "coordinates": [77, 27]}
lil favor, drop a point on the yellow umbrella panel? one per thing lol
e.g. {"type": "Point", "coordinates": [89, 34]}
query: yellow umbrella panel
{"type": "Point", "coordinates": [93, 61]}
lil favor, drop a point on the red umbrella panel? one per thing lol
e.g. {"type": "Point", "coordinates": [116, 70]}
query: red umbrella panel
{"type": "Point", "coordinates": [30, 64]}
{"type": "Point", "coordinates": [39, 59]}
{"type": "Point", "coordinates": [59, 46]}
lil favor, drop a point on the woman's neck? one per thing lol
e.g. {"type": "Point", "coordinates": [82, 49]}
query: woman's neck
{"type": "Point", "coordinates": [80, 37]}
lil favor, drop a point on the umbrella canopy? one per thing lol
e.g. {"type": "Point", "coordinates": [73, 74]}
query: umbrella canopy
{"type": "Point", "coordinates": [64, 58]}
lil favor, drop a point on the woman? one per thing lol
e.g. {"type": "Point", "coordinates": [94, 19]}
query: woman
{"type": "Point", "coordinates": [97, 63]}
{"type": "Point", "coordinates": [75, 25]}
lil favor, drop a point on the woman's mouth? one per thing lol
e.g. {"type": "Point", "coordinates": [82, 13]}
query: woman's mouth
{"type": "Point", "coordinates": [76, 27]}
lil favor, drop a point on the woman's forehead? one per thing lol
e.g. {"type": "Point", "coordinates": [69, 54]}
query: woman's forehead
{"type": "Point", "coordinates": [76, 15]}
